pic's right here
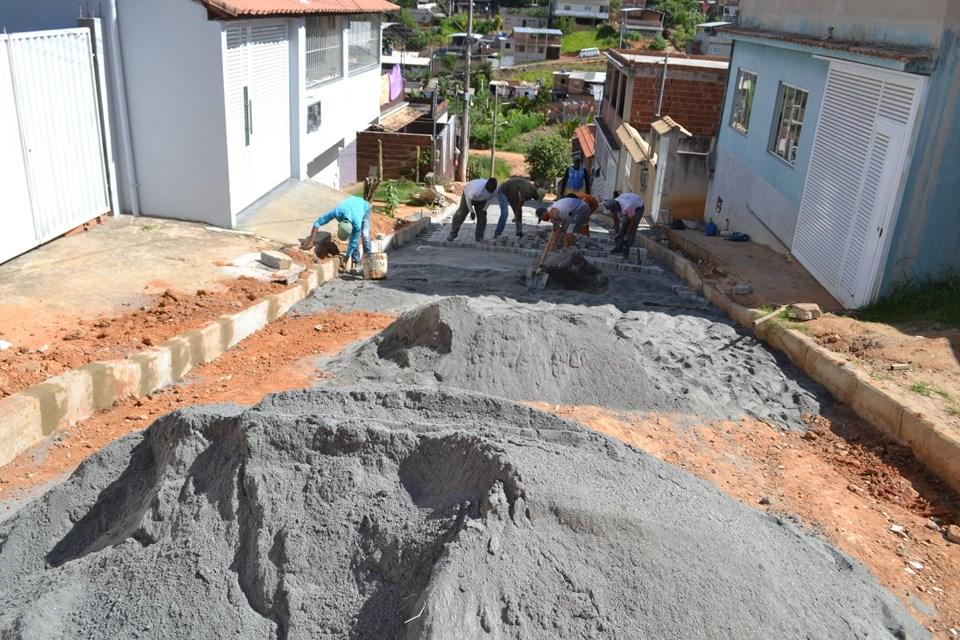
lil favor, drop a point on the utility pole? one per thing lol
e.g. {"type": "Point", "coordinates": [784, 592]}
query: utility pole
{"type": "Point", "coordinates": [663, 84]}
{"type": "Point", "coordinates": [465, 145]}
{"type": "Point", "coordinates": [493, 145]}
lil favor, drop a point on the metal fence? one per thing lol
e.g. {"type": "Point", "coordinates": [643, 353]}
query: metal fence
{"type": "Point", "coordinates": [52, 168]}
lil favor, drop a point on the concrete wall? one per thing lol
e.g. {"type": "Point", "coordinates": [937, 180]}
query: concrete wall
{"type": "Point", "coordinates": [917, 22]}
{"type": "Point", "coordinates": [753, 182]}
{"type": "Point", "coordinates": [927, 233]}
{"type": "Point", "coordinates": [172, 57]}
{"type": "Point", "coordinates": [685, 185]}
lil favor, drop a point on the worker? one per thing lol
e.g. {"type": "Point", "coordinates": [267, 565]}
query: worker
{"type": "Point", "coordinates": [512, 194]}
{"type": "Point", "coordinates": [567, 214]}
{"type": "Point", "coordinates": [626, 209]}
{"type": "Point", "coordinates": [575, 179]}
{"type": "Point", "coordinates": [476, 196]}
{"type": "Point", "coordinates": [353, 216]}
{"type": "Point", "coordinates": [592, 203]}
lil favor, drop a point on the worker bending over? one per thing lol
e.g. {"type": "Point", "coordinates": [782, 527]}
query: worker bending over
{"type": "Point", "coordinates": [511, 195]}
{"type": "Point", "coordinates": [476, 195]}
{"type": "Point", "coordinates": [567, 214]}
{"type": "Point", "coordinates": [626, 209]}
{"type": "Point", "coordinates": [353, 215]}
{"type": "Point", "coordinates": [592, 203]}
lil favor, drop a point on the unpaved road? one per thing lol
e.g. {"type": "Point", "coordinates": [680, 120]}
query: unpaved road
{"type": "Point", "coordinates": [843, 482]}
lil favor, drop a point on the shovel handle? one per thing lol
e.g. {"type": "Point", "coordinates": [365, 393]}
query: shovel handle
{"type": "Point", "coordinates": [551, 243]}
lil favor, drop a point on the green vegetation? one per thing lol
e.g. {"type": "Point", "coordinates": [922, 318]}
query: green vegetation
{"type": "Point", "coordinates": [659, 43]}
{"type": "Point", "coordinates": [565, 24]}
{"type": "Point", "coordinates": [479, 167]}
{"type": "Point", "coordinates": [953, 411]}
{"type": "Point", "coordinates": [681, 18]}
{"type": "Point", "coordinates": [401, 190]}
{"type": "Point", "coordinates": [544, 74]}
{"type": "Point", "coordinates": [521, 143]}
{"type": "Point", "coordinates": [926, 390]}
{"type": "Point", "coordinates": [603, 37]}
{"type": "Point", "coordinates": [927, 302]}
{"type": "Point", "coordinates": [547, 158]}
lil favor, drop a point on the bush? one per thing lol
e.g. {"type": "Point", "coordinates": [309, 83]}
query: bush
{"type": "Point", "coordinates": [659, 43]}
{"type": "Point", "coordinates": [547, 158]}
{"type": "Point", "coordinates": [565, 24]}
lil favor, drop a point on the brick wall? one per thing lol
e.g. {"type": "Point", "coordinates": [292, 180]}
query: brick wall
{"type": "Point", "coordinates": [399, 152]}
{"type": "Point", "coordinates": [692, 98]}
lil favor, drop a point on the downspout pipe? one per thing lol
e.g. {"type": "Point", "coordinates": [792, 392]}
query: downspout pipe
{"type": "Point", "coordinates": [118, 88]}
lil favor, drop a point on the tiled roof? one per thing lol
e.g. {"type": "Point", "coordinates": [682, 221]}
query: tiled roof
{"type": "Point", "coordinates": [587, 139]}
{"type": "Point", "coordinates": [244, 8]}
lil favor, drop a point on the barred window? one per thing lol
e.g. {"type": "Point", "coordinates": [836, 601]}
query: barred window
{"type": "Point", "coordinates": [364, 51]}
{"type": "Point", "coordinates": [743, 100]}
{"type": "Point", "coordinates": [324, 50]}
{"type": "Point", "coordinates": [789, 122]}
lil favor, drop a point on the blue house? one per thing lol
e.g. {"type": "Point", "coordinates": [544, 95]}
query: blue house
{"type": "Point", "coordinates": [840, 139]}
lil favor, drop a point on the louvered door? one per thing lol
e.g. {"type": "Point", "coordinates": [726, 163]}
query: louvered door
{"type": "Point", "coordinates": [257, 76]}
{"type": "Point", "coordinates": [856, 170]}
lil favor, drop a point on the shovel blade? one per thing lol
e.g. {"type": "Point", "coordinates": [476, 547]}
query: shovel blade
{"type": "Point", "coordinates": [537, 278]}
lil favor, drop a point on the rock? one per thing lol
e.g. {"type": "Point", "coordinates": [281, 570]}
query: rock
{"type": "Point", "coordinates": [809, 435]}
{"type": "Point", "coordinates": [147, 340]}
{"type": "Point", "coordinates": [953, 534]}
{"type": "Point", "coordinates": [932, 525]}
{"type": "Point", "coordinates": [318, 327]}
{"type": "Point", "coordinates": [4, 345]}
{"type": "Point", "coordinates": [765, 500]}
{"type": "Point", "coordinates": [276, 259]}
{"type": "Point", "coordinates": [742, 289]}
{"type": "Point", "coordinates": [76, 334]}
{"type": "Point", "coordinates": [170, 295]}
{"type": "Point", "coordinates": [804, 311]}
{"type": "Point", "coordinates": [899, 366]}
{"type": "Point", "coordinates": [916, 566]}
{"type": "Point", "coordinates": [897, 529]}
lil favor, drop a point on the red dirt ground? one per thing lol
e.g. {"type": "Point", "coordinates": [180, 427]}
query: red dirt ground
{"type": "Point", "coordinates": [277, 358]}
{"type": "Point", "coordinates": [842, 479]}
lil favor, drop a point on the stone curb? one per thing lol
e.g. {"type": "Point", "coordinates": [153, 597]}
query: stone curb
{"type": "Point", "coordinates": [936, 447]}
{"type": "Point", "coordinates": [59, 402]}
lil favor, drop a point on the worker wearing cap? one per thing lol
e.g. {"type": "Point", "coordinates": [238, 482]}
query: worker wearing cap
{"type": "Point", "coordinates": [476, 196]}
{"type": "Point", "coordinates": [567, 214]}
{"type": "Point", "coordinates": [626, 209]}
{"type": "Point", "coordinates": [512, 194]}
{"type": "Point", "coordinates": [575, 179]}
{"type": "Point", "coordinates": [353, 215]}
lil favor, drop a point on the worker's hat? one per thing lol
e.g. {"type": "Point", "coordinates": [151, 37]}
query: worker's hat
{"type": "Point", "coordinates": [344, 229]}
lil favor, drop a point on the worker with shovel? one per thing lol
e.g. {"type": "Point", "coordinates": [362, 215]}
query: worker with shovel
{"type": "Point", "coordinates": [511, 195]}
{"type": "Point", "coordinates": [353, 216]}
{"type": "Point", "coordinates": [476, 195]}
{"type": "Point", "coordinates": [629, 207]}
{"type": "Point", "coordinates": [567, 215]}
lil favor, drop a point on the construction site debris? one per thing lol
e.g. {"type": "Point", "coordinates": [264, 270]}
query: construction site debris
{"type": "Point", "coordinates": [407, 513]}
{"type": "Point", "coordinates": [275, 259]}
{"type": "Point", "coordinates": [804, 311]}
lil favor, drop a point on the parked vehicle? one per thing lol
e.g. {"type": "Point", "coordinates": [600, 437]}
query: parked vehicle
{"type": "Point", "coordinates": [589, 52]}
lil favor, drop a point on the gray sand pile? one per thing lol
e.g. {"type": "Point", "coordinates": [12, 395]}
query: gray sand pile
{"type": "Point", "coordinates": [412, 514]}
{"type": "Point", "coordinates": [568, 269]}
{"type": "Point", "coordinates": [581, 355]}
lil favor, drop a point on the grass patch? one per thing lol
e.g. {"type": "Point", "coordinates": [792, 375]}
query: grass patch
{"type": "Point", "coordinates": [149, 227]}
{"type": "Point", "coordinates": [927, 302]}
{"type": "Point", "coordinates": [521, 143]}
{"type": "Point", "coordinates": [953, 411]}
{"type": "Point", "coordinates": [544, 75]}
{"type": "Point", "coordinates": [927, 390]}
{"type": "Point", "coordinates": [479, 167]}
{"type": "Point", "coordinates": [405, 190]}
{"type": "Point", "coordinates": [603, 37]}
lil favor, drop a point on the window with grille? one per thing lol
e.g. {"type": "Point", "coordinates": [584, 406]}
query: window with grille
{"type": "Point", "coordinates": [324, 46]}
{"type": "Point", "coordinates": [743, 100]}
{"type": "Point", "coordinates": [792, 106]}
{"type": "Point", "coordinates": [364, 50]}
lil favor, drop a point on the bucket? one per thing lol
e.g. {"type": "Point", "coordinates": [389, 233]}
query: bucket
{"type": "Point", "coordinates": [374, 266]}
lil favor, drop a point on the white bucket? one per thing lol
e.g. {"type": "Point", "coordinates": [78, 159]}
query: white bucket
{"type": "Point", "coordinates": [374, 266]}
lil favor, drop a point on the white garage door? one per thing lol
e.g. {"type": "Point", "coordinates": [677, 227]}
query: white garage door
{"type": "Point", "coordinates": [256, 66]}
{"type": "Point", "coordinates": [857, 168]}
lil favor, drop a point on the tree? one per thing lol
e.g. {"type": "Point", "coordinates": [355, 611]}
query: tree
{"type": "Point", "coordinates": [681, 18]}
{"type": "Point", "coordinates": [565, 24]}
{"type": "Point", "coordinates": [547, 158]}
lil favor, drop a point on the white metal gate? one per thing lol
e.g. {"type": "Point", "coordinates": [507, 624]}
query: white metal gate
{"type": "Point", "coordinates": [856, 172]}
{"type": "Point", "coordinates": [53, 175]}
{"type": "Point", "coordinates": [257, 72]}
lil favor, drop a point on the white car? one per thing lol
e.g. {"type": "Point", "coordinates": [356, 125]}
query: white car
{"type": "Point", "coordinates": [589, 52]}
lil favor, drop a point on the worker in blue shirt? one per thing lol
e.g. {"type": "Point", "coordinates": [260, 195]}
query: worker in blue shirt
{"type": "Point", "coordinates": [575, 179]}
{"type": "Point", "coordinates": [354, 217]}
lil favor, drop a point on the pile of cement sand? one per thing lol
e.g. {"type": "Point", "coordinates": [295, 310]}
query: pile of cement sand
{"type": "Point", "coordinates": [568, 269]}
{"type": "Point", "coordinates": [567, 354]}
{"type": "Point", "coordinates": [412, 514]}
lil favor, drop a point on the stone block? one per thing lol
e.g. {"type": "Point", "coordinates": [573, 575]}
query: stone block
{"type": "Point", "coordinates": [742, 289]}
{"type": "Point", "coordinates": [804, 311]}
{"type": "Point", "coordinates": [156, 369]}
{"type": "Point", "coordinates": [935, 445]}
{"type": "Point", "coordinates": [113, 380]}
{"type": "Point", "coordinates": [276, 259]}
{"type": "Point", "coordinates": [246, 322]}
{"type": "Point", "coordinates": [21, 425]}
{"type": "Point", "coordinates": [877, 407]}
{"type": "Point", "coordinates": [832, 372]}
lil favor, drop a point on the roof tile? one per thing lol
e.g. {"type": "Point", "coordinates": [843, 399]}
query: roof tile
{"type": "Point", "coordinates": [240, 8]}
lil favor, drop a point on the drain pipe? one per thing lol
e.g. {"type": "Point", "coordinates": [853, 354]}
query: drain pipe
{"type": "Point", "coordinates": [118, 88]}
{"type": "Point", "coordinates": [663, 85]}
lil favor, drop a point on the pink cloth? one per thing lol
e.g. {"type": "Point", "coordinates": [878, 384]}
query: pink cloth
{"type": "Point", "coordinates": [396, 83]}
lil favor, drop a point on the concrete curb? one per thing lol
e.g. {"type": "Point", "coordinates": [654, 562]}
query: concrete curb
{"type": "Point", "coordinates": [933, 445]}
{"type": "Point", "coordinates": [62, 401]}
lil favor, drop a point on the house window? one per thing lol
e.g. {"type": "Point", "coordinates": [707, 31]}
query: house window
{"type": "Point", "coordinates": [324, 50]}
{"type": "Point", "coordinates": [364, 50]}
{"type": "Point", "coordinates": [743, 100]}
{"type": "Point", "coordinates": [566, 7]}
{"type": "Point", "coordinates": [521, 48]}
{"type": "Point", "coordinates": [602, 8]}
{"type": "Point", "coordinates": [313, 117]}
{"type": "Point", "coordinates": [541, 50]}
{"type": "Point", "coordinates": [623, 96]}
{"type": "Point", "coordinates": [792, 106]}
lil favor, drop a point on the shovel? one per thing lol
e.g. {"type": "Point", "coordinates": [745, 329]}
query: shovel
{"type": "Point", "coordinates": [536, 276]}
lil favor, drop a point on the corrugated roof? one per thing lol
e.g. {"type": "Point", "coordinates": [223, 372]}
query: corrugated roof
{"type": "Point", "coordinates": [401, 118]}
{"type": "Point", "coordinates": [549, 32]}
{"type": "Point", "coordinates": [241, 8]}
{"type": "Point", "coordinates": [587, 139]}
{"type": "Point", "coordinates": [673, 61]}
{"type": "Point", "coordinates": [589, 76]}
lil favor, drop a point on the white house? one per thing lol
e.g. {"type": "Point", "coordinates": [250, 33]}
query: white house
{"type": "Point", "coordinates": [583, 10]}
{"type": "Point", "coordinates": [219, 101]}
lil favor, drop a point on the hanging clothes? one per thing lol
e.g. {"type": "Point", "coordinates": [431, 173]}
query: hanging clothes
{"type": "Point", "coordinates": [396, 82]}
